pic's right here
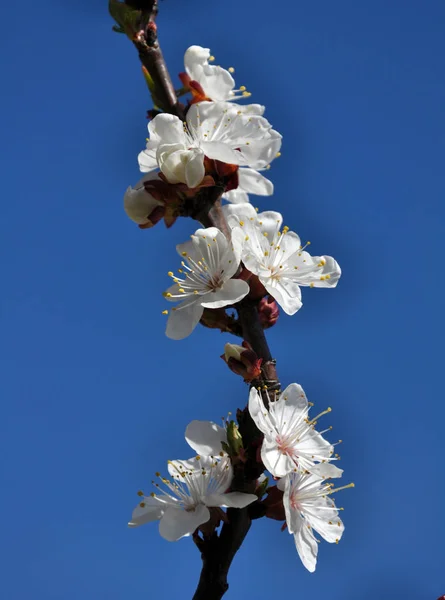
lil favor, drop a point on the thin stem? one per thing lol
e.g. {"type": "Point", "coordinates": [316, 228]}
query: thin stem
{"type": "Point", "coordinates": [150, 55]}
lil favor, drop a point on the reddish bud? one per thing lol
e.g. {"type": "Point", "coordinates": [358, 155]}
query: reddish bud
{"type": "Point", "coordinates": [268, 312]}
{"type": "Point", "coordinates": [274, 504]}
{"type": "Point", "coordinates": [257, 289]}
{"type": "Point", "coordinates": [243, 361]}
{"type": "Point", "coordinates": [154, 217]}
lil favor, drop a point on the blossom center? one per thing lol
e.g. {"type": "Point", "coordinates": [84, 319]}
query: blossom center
{"type": "Point", "coordinates": [294, 503]}
{"type": "Point", "coordinates": [285, 445]}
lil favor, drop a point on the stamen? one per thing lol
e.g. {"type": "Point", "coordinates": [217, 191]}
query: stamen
{"type": "Point", "coordinates": [315, 419]}
{"type": "Point", "coordinates": [344, 487]}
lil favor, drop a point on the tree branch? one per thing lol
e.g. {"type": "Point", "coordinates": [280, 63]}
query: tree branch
{"type": "Point", "coordinates": [151, 57]}
{"type": "Point", "coordinates": [217, 551]}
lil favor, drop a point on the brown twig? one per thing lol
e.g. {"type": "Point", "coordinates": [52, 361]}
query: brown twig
{"type": "Point", "coordinates": [151, 57]}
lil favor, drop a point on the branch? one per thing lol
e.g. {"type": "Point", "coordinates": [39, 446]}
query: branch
{"type": "Point", "coordinates": [217, 551]}
{"type": "Point", "coordinates": [151, 57]}
{"type": "Point", "coordinates": [217, 555]}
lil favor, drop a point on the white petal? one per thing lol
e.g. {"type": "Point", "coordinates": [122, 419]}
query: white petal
{"type": "Point", "coordinates": [231, 499]}
{"type": "Point", "coordinates": [205, 437]}
{"type": "Point", "coordinates": [236, 196]}
{"type": "Point", "coordinates": [326, 470]}
{"type": "Point", "coordinates": [176, 467]}
{"type": "Point", "coordinates": [194, 169]}
{"type": "Point", "coordinates": [232, 291]}
{"type": "Point", "coordinates": [293, 517]}
{"type": "Point", "coordinates": [183, 319]}
{"type": "Point", "coordinates": [222, 151]}
{"type": "Point", "coordinates": [290, 409]}
{"type": "Point", "coordinates": [168, 129]}
{"type": "Point", "coordinates": [252, 109]}
{"type": "Point", "coordinates": [307, 547]}
{"type": "Point", "coordinates": [177, 523]}
{"type": "Point", "coordinates": [172, 160]}
{"type": "Point", "coordinates": [152, 510]}
{"type": "Point", "coordinates": [330, 527]}
{"type": "Point", "coordinates": [147, 159]}
{"type": "Point", "coordinates": [232, 259]}
{"type": "Point", "coordinates": [315, 445]}
{"type": "Point", "coordinates": [236, 212]}
{"type": "Point", "coordinates": [253, 182]}
{"type": "Point", "coordinates": [211, 244]}
{"type": "Point", "coordinates": [194, 59]}
{"type": "Point", "coordinates": [138, 202]}
{"type": "Point", "coordinates": [286, 293]}
{"type": "Point", "coordinates": [261, 153]}
{"type": "Point", "coordinates": [259, 413]}
{"type": "Point", "coordinates": [216, 82]}
{"type": "Point", "coordinates": [270, 221]}
{"type": "Point", "coordinates": [190, 250]}
{"type": "Point", "coordinates": [277, 463]}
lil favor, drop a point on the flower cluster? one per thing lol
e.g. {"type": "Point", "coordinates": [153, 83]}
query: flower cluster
{"type": "Point", "coordinates": [296, 453]}
{"type": "Point", "coordinates": [245, 258]}
{"type": "Point", "coordinates": [185, 501]}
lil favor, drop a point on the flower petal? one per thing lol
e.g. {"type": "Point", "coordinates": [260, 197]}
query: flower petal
{"type": "Point", "coordinates": [147, 159]}
{"type": "Point", "coordinates": [277, 463]}
{"type": "Point", "coordinates": [172, 160]}
{"type": "Point", "coordinates": [331, 530]}
{"type": "Point", "coordinates": [307, 547]}
{"type": "Point", "coordinates": [177, 522]}
{"type": "Point", "coordinates": [216, 82]}
{"type": "Point", "coordinates": [290, 409]}
{"type": "Point", "coordinates": [286, 293]}
{"type": "Point", "coordinates": [259, 413]}
{"type": "Point", "coordinates": [152, 510]}
{"type": "Point", "coordinates": [236, 196]}
{"type": "Point", "coordinates": [222, 151]}
{"type": "Point", "coordinates": [236, 212]}
{"type": "Point", "coordinates": [205, 437]}
{"type": "Point", "coordinates": [183, 319]}
{"type": "Point", "coordinates": [194, 168]}
{"type": "Point", "coordinates": [167, 128]}
{"type": "Point", "coordinates": [326, 470]}
{"type": "Point", "coordinates": [138, 202]}
{"type": "Point", "coordinates": [252, 182]}
{"type": "Point", "coordinates": [232, 291]}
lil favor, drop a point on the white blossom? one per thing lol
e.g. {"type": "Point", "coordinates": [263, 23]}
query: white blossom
{"type": "Point", "coordinates": [307, 506]}
{"type": "Point", "coordinates": [217, 83]}
{"type": "Point", "coordinates": [276, 256]}
{"type": "Point", "coordinates": [205, 280]}
{"type": "Point", "coordinates": [139, 203]}
{"type": "Point", "coordinates": [221, 131]}
{"type": "Point", "coordinates": [183, 503]}
{"type": "Point", "coordinates": [290, 438]}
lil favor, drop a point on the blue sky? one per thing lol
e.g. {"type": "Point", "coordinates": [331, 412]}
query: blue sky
{"type": "Point", "coordinates": [95, 398]}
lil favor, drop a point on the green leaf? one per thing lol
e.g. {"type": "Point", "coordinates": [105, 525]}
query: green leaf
{"type": "Point", "coordinates": [126, 17]}
{"type": "Point", "coordinates": [151, 86]}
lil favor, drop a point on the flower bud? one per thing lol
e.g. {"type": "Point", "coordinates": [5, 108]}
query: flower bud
{"type": "Point", "coordinates": [139, 204]}
{"type": "Point", "coordinates": [262, 484]}
{"type": "Point", "coordinates": [234, 439]}
{"type": "Point", "coordinates": [274, 504]}
{"type": "Point", "coordinates": [243, 361]}
{"type": "Point", "coordinates": [268, 312]}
